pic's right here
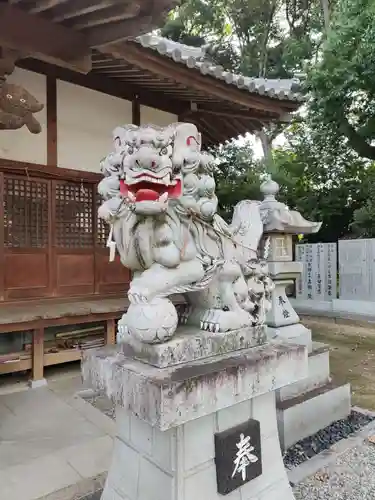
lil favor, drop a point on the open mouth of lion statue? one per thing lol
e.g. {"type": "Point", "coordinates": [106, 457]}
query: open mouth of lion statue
{"type": "Point", "coordinates": [151, 192]}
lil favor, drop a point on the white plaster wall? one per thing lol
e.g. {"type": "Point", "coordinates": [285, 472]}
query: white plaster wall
{"type": "Point", "coordinates": [85, 120]}
{"type": "Point", "coordinates": [157, 117]}
{"type": "Point", "coordinates": [22, 145]}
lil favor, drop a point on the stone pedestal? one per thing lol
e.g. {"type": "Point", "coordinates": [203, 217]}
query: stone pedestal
{"type": "Point", "coordinates": [312, 404]}
{"type": "Point", "coordinates": [282, 320]}
{"type": "Point", "coordinates": [167, 419]}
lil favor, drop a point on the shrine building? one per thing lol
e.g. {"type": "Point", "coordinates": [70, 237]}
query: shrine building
{"type": "Point", "coordinates": [91, 71]}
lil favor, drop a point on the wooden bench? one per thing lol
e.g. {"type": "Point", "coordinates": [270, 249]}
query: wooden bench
{"type": "Point", "coordinates": [36, 317]}
{"type": "Point", "coordinates": [39, 315]}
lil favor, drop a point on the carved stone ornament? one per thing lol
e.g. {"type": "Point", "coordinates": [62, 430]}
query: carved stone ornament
{"type": "Point", "coordinates": [159, 198]}
{"type": "Point", "coordinates": [17, 105]}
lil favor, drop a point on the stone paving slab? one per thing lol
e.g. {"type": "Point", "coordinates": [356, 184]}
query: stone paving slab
{"type": "Point", "coordinates": [51, 440]}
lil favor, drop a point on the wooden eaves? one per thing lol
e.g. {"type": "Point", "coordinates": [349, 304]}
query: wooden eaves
{"type": "Point", "coordinates": [63, 32]}
{"type": "Point", "coordinates": [92, 43]}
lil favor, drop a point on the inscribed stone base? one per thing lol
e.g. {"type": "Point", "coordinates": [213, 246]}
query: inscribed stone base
{"type": "Point", "coordinates": [189, 344]}
{"type": "Point", "coordinates": [281, 312]}
{"type": "Point", "coordinates": [167, 419]}
{"type": "Point", "coordinates": [295, 334]}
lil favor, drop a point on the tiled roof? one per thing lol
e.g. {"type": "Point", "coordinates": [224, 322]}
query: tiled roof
{"type": "Point", "coordinates": [195, 58]}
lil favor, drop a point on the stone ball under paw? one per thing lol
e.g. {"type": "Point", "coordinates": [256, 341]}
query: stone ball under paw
{"type": "Point", "coordinates": [152, 322]}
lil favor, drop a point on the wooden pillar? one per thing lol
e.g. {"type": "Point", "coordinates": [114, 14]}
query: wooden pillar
{"type": "Point", "coordinates": [110, 333]}
{"type": "Point", "coordinates": [51, 121]}
{"type": "Point", "coordinates": [136, 111]}
{"type": "Point", "coordinates": [38, 357]}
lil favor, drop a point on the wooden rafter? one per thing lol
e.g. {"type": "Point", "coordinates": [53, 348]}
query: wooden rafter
{"type": "Point", "coordinates": [243, 115]}
{"type": "Point", "coordinates": [43, 5]}
{"type": "Point", "coordinates": [110, 15]}
{"type": "Point", "coordinates": [232, 130]}
{"type": "Point", "coordinates": [31, 34]}
{"type": "Point", "coordinates": [118, 32]}
{"type": "Point", "coordinates": [161, 66]}
{"type": "Point", "coordinates": [76, 9]}
{"type": "Point", "coordinates": [107, 85]}
{"type": "Point", "coordinates": [215, 130]}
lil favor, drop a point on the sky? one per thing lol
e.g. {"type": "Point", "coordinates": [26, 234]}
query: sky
{"type": "Point", "coordinates": [256, 145]}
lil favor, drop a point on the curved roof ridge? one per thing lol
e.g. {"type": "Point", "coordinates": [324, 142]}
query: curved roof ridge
{"type": "Point", "coordinates": [195, 58]}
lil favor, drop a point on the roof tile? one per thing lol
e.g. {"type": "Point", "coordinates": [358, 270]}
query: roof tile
{"type": "Point", "coordinates": [196, 58]}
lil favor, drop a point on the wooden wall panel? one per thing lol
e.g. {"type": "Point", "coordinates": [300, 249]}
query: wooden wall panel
{"type": "Point", "coordinates": [26, 275]}
{"type": "Point", "coordinates": [75, 274]}
{"type": "Point", "coordinates": [52, 244]}
{"type": "Point", "coordinates": [111, 277]}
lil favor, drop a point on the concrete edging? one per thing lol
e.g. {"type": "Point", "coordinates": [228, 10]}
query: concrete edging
{"type": "Point", "coordinates": [337, 309]}
{"type": "Point", "coordinates": [326, 457]}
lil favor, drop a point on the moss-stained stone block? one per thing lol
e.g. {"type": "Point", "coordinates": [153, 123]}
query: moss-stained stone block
{"type": "Point", "coordinates": [190, 344]}
{"type": "Point", "coordinates": [171, 415]}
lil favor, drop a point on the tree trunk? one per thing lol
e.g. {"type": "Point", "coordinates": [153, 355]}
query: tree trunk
{"type": "Point", "coordinates": [326, 14]}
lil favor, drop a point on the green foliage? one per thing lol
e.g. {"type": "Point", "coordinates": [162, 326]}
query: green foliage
{"type": "Point", "coordinates": [342, 84]}
{"type": "Point", "coordinates": [323, 169]}
{"type": "Point", "coordinates": [247, 36]}
{"type": "Point", "coordinates": [238, 176]}
{"type": "Point", "coordinates": [324, 185]}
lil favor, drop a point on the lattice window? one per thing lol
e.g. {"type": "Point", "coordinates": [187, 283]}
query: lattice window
{"type": "Point", "coordinates": [25, 213]}
{"type": "Point", "coordinates": [74, 215]}
{"type": "Point", "coordinates": [102, 228]}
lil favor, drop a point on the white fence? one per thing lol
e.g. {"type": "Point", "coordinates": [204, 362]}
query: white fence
{"type": "Point", "coordinates": [330, 272]}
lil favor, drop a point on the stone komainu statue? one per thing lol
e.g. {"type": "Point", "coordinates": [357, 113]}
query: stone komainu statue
{"type": "Point", "coordinates": [159, 197]}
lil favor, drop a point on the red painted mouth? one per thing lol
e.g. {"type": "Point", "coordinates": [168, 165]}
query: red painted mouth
{"type": "Point", "coordinates": [148, 191]}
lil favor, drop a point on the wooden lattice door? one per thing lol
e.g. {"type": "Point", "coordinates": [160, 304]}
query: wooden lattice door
{"type": "Point", "coordinates": [26, 234]}
{"type": "Point", "coordinates": [74, 236]}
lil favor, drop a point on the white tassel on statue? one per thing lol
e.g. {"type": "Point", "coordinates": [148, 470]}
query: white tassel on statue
{"type": "Point", "coordinates": [111, 244]}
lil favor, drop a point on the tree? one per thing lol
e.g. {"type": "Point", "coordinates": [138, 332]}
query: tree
{"type": "Point", "coordinates": [342, 85]}
{"type": "Point", "coordinates": [238, 176]}
{"type": "Point", "coordinates": [323, 184]}
{"type": "Point", "coordinates": [319, 172]}
{"type": "Point", "coordinates": [248, 37]}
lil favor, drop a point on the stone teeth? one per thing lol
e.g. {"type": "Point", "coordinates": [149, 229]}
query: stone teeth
{"type": "Point", "coordinates": [131, 196]}
{"type": "Point", "coordinates": [167, 179]}
{"type": "Point", "coordinates": [164, 197]}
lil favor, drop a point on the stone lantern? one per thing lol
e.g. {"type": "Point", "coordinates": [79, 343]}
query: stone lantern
{"type": "Point", "coordinates": [312, 404]}
{"type": "Point", "coordinates": [280, 224]}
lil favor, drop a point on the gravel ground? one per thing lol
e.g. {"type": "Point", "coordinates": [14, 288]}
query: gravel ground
{"type": "Point", "coordinates": [93, 496]}
{"type": "Point", "coordinates": [325, 438]}
{"type": "Point", "coordinates": [351, 477]}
